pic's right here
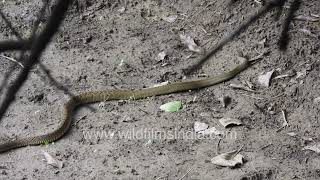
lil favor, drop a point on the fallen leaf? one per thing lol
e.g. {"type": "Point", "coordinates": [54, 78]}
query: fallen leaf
{"type": "Point", "coordinates": [229, 159]}
{"type": "Point", "coordinates": [282, 76]}
{"type": "Point", "coordinates": [292, 134]}
{"type": "Point", "coordinates": [188, 41]}
{"type": "Point", "coordinates": [161, 56]}
{"type": "Point", "coordinates": [307, 18]}
{"type": "Point", "coordinates": [307, 139]}
{"type": "Point", "coordinates": [264, 79]}
{"type": "Point", "coordinates": [317, 100]}
{"type": "Point", "coordinates": [149, 142]}
{"type": "Point", "coordinates": [210, 131]}
{"type": "Point", "coordinates": [263, 41]}
{"type": "Point", "coordinates": [173, 106]}
{"type": "Point", "coordinates": [52, 161]}
{"type": "Point", "coordinates": [199, 126]}
{"type": "Point", "coordinates": [170, 19]}
{"type": "Point", "coordinates": [315, 148]}
{"type": "Point", "coordinates": [308, 32]}
{"type": "Point", "coordinates": [121, 10]}
{"type": "Point", "coordinates": [229, 121]}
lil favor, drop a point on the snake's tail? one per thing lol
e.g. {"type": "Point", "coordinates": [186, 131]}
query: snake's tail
{"type": "Point", "coordinates": [47, 138]}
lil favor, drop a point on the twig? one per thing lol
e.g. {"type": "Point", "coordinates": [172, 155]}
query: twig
{"type": "Point", "coordinates": [238, 151]}
{"type": "Point", "coordinates": [284, 37]}
{"type": "Point", "coordinates": [186, 174]}
{"type": "Point", "coordinates": [9, 45]}
{"type": "Point", "coordinates": [285, 123]}
{"type": "Point", "coordinates": [13, 60]}
{"type": "Point", "coordinates": [38, 20]}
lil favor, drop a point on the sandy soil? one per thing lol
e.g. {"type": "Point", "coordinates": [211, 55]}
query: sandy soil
{"type": "Point", "coordinates": [113, 45]}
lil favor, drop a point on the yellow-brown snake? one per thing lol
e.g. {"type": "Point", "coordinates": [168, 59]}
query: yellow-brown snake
{"type": "Point", "coordinates": [108, 95]}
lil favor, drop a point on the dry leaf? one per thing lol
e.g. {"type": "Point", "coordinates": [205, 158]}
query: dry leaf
{"type": "Point", "coordinates": [229, 159]}
{"type": "Point", "coordinates": [170, 19]}
{"type": "Point", "coordinates": [263, 41]}
{"type": "Point", "coordinates": [229, 121]}
{"type": "Point", "coordinates": [292, 134]}
{"type": "Point", "coordinates": [52, 161]}
{"type": "Point", "coordinates": [308, 32]}
{"type": "Point", "coordinates": [317, 100]}
{"type": "Point", "coordinates": [121, 10]}
{"type": "Point", "coordinates": [307, 18]}
{"type": "Point", "coordinates": [149, 142]}
{"type": "Point", "coordinates": [199, 126]}
{"type": "Point", "coordinates": [315, 148]}
{"type": "Point", "coordinates": [308, 139]}
{"type": "Point", "coordinates": [188, 41]}
{"type": "Point", "coordinates": [210, 131]}
{"type": "Point", "coordinates": [264, 79]}
{"type": "Point", "coordinates": [161, 56]}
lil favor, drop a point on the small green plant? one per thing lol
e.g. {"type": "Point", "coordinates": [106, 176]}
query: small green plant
{"type": "Point", "coordinates": [45, 142]}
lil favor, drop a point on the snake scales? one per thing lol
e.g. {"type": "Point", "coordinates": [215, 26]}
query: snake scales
{"type": "Point", "coordinates": [107, 95]}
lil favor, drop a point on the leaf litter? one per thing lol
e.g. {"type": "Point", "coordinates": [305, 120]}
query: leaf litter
{"type": "Point", "coordinates": [229, 159]}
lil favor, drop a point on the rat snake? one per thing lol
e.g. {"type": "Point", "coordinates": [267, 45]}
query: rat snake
{"type": "Point", "coordinates": [107, 95]}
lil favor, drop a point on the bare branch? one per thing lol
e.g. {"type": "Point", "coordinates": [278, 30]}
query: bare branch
{"type": "Point", "coordinates": [38, 20]}
{"type": "Point", "coordinates": [10, 45]}
{"type": "Point", "coordinates": [284, 38]}
{"type": "Point", "coordinates": [233, 34]}
{"type": "Point", "coordinates": [38, 46]}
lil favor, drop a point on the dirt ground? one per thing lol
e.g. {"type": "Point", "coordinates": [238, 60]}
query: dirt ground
{"type": "Point", "coordinates": [115, 44]}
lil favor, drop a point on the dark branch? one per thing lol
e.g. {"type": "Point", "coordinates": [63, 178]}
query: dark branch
{"type": "Point", "coordinates": [284, 38]}
{"type": "Point", "coordinates": [10, 45]}
{"type": "Point", "coordinates": [232, 35]}
{"type": "Point", "coordinates": [38, 46]}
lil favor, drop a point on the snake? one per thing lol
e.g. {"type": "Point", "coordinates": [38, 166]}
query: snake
{"type": "Point", "coordinates": [121, 94]}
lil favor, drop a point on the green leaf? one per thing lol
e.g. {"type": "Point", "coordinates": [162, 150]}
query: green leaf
{"type": "Point", "coordinates": [172, 106]}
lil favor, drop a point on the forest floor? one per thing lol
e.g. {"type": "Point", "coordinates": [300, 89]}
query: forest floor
{"type": "Point", "coordinates": [135, 44]}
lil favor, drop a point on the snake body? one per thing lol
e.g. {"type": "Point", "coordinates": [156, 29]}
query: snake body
{"type": "Point", "coordinates": [108, 95]}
